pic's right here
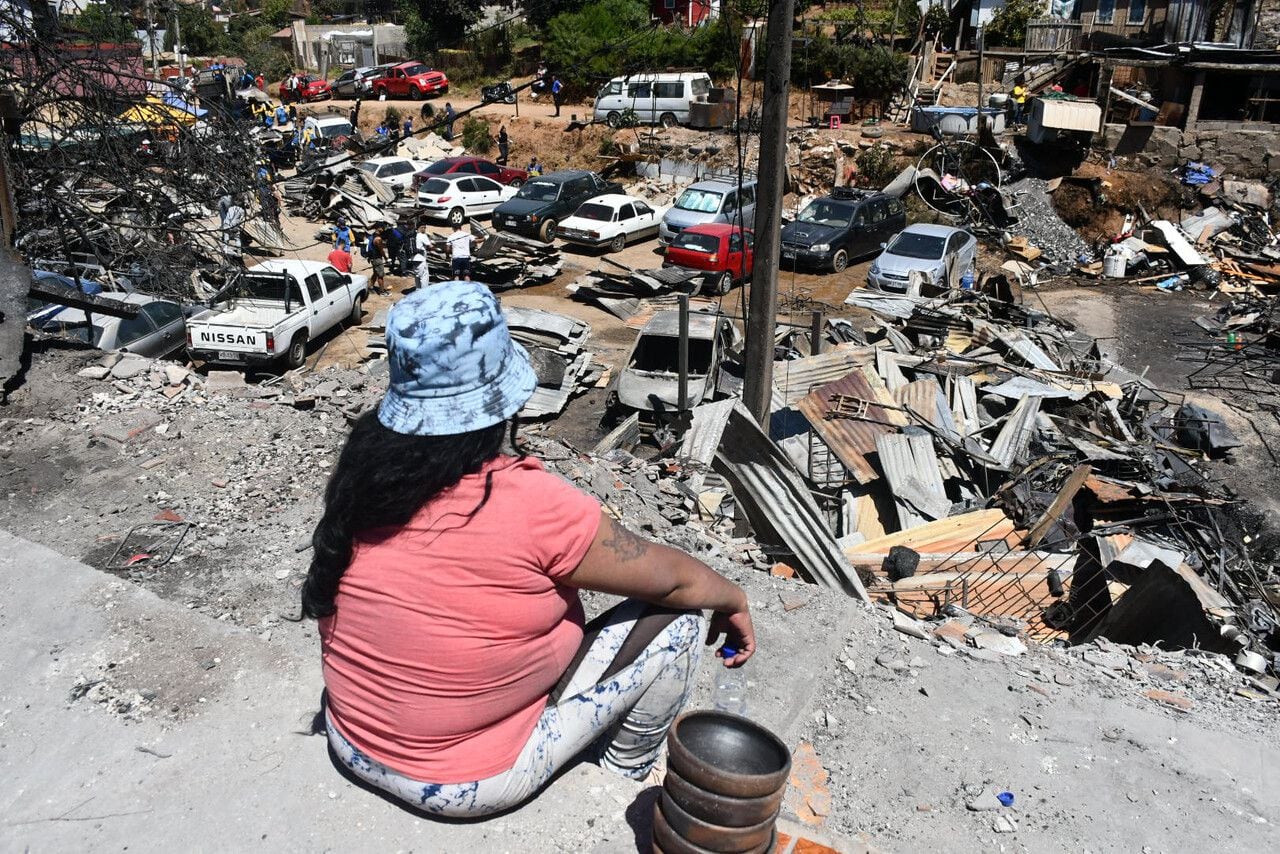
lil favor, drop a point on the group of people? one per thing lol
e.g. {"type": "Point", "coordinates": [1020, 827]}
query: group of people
{"type": "Point", "coordinates": [393, 247]}
{"type": "Point", "coordinates": [278, 116]}
{"type": "Point", "coordinates": [291, 86]}
{"type": "Point", "coordinates": [546, 83]}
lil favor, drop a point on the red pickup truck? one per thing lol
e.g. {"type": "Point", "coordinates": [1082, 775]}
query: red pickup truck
{"type": "Point", "coordinates": [726, 252]}
{"type": "Point", "coordinates": [411, 80]}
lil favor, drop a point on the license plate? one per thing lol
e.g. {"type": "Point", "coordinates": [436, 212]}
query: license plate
{"type": "Point", "coordinates": [228, 356]}
{"type": "Point", "coordinates": [512, 222]}
{"type": "Point", "coordinates": [788, 253]}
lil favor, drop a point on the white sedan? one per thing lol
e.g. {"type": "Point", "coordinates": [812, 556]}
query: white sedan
{"type": "Point", "coordinates": [612, 220]}
{"type": "Point", "coordinates": [456, 196]}
{"type": "Point", "coordinates": [394, 171]}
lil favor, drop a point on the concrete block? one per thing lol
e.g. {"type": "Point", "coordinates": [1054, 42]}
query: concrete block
{"type": "Point", "coordinates": [128, 426]}
{"type": "Point", "coordinates": [130, 367]}
{"type": "Point", "coordinates": [94, 372]}
{"type": "Point", "coordinates": [224, 381]}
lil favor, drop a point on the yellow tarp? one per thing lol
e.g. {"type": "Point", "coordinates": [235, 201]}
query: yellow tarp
{"type": "Point", "coordinates": [155, 112]}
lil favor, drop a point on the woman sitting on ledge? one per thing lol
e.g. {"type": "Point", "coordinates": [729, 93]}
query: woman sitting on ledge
{"type": "Point", "coordinates": [459, 672]}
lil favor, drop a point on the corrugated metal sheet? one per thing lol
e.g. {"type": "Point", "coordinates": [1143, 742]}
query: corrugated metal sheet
{"type": "Point", "coordinates": [703, 437]}
{"type": "Point", "coordinates": [1011, 445]}
{"type": "Point", "coordinates": [889, 305]}
{"type": "Point", "coordinates": [795, 378]}
{"type": "Point", "coordinates": [887, 368]}
{"type": "Point", "coordinates": [910, 466]}
{"type": "Point", "coordinates": [964, 405]}
{"type": "Point", "coordinates": [852, 439]}
{"type": "Point", "coordinates": [1026, 349]}
{"type": "Point", "coordinates": [775, 498]}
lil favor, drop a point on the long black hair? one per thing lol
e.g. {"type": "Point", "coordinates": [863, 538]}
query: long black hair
{"type": "Point", "coordinates": [382, 479]}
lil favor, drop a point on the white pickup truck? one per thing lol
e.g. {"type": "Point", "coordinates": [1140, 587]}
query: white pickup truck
{"type": "Point", "coordinates": [278, 307]}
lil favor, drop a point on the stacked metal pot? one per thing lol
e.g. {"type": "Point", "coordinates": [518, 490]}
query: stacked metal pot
{"type": "Point", "coordinates": [724, 785]}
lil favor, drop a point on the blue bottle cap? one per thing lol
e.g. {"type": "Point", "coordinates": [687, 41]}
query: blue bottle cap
{"type": "Point", "coordinates": [1006, 798]}
{"type": "Point", "coordinates": [727, 651]}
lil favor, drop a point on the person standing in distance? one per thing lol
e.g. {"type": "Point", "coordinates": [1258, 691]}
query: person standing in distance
{"type": "Point", "coordinates": [557, 89]}
{"type": "Point", "coordinates": [460, 251]}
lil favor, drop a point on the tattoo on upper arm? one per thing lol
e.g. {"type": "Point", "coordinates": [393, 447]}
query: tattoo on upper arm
{"type": "Point", "coordinates": [625, 545]}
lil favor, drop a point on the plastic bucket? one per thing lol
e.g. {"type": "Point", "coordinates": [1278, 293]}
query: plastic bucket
{"type": "Point", "coordinates": [1113, 265]}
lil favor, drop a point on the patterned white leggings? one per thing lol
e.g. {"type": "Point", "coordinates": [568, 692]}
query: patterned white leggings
{"type": "Point", "coordinates": [625, 717]}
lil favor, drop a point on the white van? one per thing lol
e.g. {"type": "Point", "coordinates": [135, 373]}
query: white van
{"type": "Point", "coordinates": [656, 98]}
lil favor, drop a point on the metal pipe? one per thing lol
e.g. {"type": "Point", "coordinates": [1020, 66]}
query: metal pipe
{"type": "Point", "coordinates": [815, 332]}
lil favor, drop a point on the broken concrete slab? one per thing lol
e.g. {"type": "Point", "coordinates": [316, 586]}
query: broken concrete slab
{"type": "Point", "coordinates": [224, 381]}
{"type": "Point", "coordinates": [128, 425]}
{"type": "Point", "coordinates": [129, 367]}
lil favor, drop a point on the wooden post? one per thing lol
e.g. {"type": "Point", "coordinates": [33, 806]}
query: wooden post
{"type": "Point", "coordinates": [1193, 105]}
{"type": "Point", "coordinates": [763, 299]}
{"type": "Point", "coordinates": [815, 332]}
{"type": "Point", "coordinates": [682, 357]}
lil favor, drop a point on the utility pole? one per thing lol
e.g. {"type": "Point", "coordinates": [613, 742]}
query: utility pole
{"type": "Point", "coordinates": [177, 42]}
{"type": "Point", "coordinates": [763, 300]}
{"type": "Point", "coordinates": [151, 43]}
{"type": "Point", "coordinates": [981, 41]}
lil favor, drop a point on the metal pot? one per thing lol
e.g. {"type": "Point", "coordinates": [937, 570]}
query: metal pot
{"type": "Point", "coordinates": [715, 837]}
{"type": "Point", "coordinates": [727, 754]}
{"type": "Point", "coordinates": [667, 841]}
{"type": "Point", "coordinates": [721, 809]}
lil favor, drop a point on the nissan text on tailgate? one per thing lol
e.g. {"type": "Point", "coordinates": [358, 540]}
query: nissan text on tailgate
{"type": "Point", "coordinates": [273, 312]}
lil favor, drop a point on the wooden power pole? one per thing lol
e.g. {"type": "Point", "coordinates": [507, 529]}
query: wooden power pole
{"type": "Point", "coordinates": [763, 302]}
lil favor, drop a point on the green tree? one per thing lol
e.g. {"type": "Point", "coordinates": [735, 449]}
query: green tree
{"type": "Point", "coordinates": [575, 40]}
{"type": "Point", "coordinates": [1008, 26]}
{"type": "Point", "coordinates": [276, 12]}
{"type": "Point", "coordinates": [105, 22]}
{"type": "Point", "coordinates": [201, 34]}
{"type": "Point", "coordinates": [429, 26]}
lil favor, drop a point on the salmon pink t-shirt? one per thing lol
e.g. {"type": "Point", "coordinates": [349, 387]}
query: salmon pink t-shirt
{"type": "Point", "coordinates": [451, 631]}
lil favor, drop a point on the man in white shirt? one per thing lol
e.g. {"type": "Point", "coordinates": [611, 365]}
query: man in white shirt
{"type": "Point", "coordinates": [421, 244]}
{"type": "Point", "coordinates": [460, 251]}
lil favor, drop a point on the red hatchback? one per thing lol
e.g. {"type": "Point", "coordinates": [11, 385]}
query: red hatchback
{"type": "Point", "coordinates": [474, 166]}
{"type": "Point", "coordinates": [717, 248]}
{"type": "Point", "coordinates": [313, 88]}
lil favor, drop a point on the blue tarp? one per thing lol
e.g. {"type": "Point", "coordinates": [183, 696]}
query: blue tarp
{"type": "Point", "coordinates": [1197, 174]}
{"type": "Point", "coordinates": [177, 103]}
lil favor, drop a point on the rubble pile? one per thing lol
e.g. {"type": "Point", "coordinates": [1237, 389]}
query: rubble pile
{"type": "Point", "coordinates": [621, 291]}
{"type": "Point", "coordinates": [556, 345]}
{"type": "Point", "coordinates": [500, 259]}
{"type": "Point", "coordinates": [1042, 227]}
{"type": "Point", "coordinates": [335, 188]}
{"type": "Point", "coordinates": [979, 455]}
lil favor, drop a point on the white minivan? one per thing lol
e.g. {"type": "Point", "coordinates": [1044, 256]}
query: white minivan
{"type": "Point", "coordinates": [656, 98]}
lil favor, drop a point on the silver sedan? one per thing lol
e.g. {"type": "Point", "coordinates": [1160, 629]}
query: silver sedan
{"type": "Point", "coordinates": [940, 252]}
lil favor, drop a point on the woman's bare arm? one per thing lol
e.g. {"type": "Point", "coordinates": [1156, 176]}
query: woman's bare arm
{"type": "Point", "coordinates": [626, 564]}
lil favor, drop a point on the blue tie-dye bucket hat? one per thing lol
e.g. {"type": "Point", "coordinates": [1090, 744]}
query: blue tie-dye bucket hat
{"type": "Point", "coordinates": [454, 367]}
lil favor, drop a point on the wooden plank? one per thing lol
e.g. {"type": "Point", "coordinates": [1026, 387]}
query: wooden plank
{"type": "Point", "coordinates": [953, 534]}
{"type": "Point", "coordinates": [1060, 503]}
{"type": "Point", "coordinates": [91, 303]}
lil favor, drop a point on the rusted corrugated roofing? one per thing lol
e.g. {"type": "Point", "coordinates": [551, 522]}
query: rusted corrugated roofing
{"type": "Point", "coordinates": [795, 378]}
{"type": "Point", "coordinates": [851, 439]}
{"type": "Point", "coordinates": [774, 496]}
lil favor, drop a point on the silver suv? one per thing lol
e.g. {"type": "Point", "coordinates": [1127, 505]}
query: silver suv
{"type": "Point", "coordinates": [715, 199]}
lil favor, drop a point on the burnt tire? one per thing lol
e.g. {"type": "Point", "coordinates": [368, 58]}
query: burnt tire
{"type": "Point", "coordinates": [840, 261]}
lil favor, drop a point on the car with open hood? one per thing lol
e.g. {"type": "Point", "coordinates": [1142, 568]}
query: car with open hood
{"type": "Point", "coordinates": [836, 229]}
{"type": "Point", "coordinates": [540, 205]}
{"type": "Point", "coordinates": [940, 254]}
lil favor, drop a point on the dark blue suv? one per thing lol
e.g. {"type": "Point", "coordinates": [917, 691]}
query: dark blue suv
{"type": "Point", "coordinates": [837, 228]}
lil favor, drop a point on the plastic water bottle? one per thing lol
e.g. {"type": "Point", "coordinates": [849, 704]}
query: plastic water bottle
{"type": "Point", "coordinates": [731, 687]}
